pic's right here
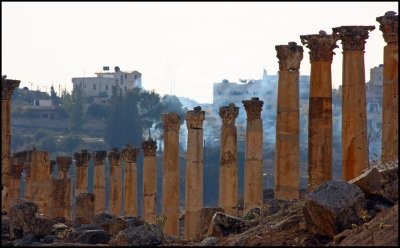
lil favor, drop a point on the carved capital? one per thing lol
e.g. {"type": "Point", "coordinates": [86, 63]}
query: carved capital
{"type": "Point", "coordinates": [195, 118]}
{"type": "Point", "coordinates": [98, 157]}
{"type": "Point", "coordinates": [171, 121]}
{"type": "Point", "coordinates": [353, 37]}
{"type": "Point", "coordinates": [389, 26]}
{"type": "Point", "coordinates": [7, 87]}
{"type": "Point", "coordinates": [253, 108]}
{"type": "Point", "coordinates": [63, 162]}
{"type": "Point", "coordinates": [130, 154]}
{"type": "Point", "coordinates": [149, 147]}
{"type": "Point", "coordinates": [321, 46]}
{"type": "Point", "coordinates": [82, 158]}
{"type": "Point", "coordinates": [229, 114]}
{"type": "Point", "coordinates": [289, 56]}
{"type": "Point", "coordinates": [114, 156]}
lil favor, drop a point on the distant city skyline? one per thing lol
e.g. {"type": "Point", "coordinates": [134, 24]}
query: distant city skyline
{"type": "Point", "coordinates": [179, 47]}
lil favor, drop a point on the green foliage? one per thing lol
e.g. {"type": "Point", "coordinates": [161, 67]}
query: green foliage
{"type": "Point", "coordinates": [73, 106]}
{"type": "Point", "coordinates": [132, 114]}
{"type": "Point", "coordinates": [97, 111]}
{"type": "Point", "coordinates": [70, 142]}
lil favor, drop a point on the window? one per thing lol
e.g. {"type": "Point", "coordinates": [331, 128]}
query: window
{"type": "Point", "coordinates": [106, 86]}
{"type": "Point", "coordinates": [126, 75]}
{"type": "Point", "coordinates": [135, 77]}
{"type": "Point", "coordinates": [94, 86]}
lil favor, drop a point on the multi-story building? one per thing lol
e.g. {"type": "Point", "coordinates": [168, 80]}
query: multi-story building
{"type": "Point", "coordinates": [102, 84]}
{"type": "Point", "coordinates": [374, 91]}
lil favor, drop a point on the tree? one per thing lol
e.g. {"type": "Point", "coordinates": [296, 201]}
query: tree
{"type": "Point", "coordinates": [53, 96]}
{"type": "Point", "coordinates": [73, 105]}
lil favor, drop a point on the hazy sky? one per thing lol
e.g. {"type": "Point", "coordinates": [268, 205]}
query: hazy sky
{"type": "Point", "coordinates": [191, 44]}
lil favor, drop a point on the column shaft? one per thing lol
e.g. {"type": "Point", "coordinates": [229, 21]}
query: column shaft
{"type": "Point", "coordinates": [228, 172]}
{"type": "Point", "coordinates": [287, 154]}
{"type": "Point", "coordinates": [194, 174]}
{"type": "Point", "coordinates": [354, 118]}
{"type": "Point", "coordinates": [99, 181]}
{"type": "Point", "coordinates": [115, 182]}
{"type": "Point", "coordinates": [41, 180]}
{"type": "Point", "coordinates": [5, 153]}
{"type": "Point", "coordinates": [390, 104]}
{"type": "Point", "coordinates": [170, 181]}
{"type": "Point", "coordinates": [320, 125]}
{"type": "Point", "coordinates": [130, 189]}
{"type": "Point", "coordinates": [149, 181]}
{"type": "Point", "coordinates": [149, 189]}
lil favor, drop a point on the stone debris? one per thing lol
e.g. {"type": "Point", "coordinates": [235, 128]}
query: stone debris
{"type": "Point", "coordinates": [333, 207]}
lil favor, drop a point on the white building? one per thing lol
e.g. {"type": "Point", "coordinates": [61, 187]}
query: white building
{"type": "Point", "coordinates": [105, 81]}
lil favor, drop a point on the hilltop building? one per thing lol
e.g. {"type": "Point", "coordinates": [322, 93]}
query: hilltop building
{"type": "Point", "coordinates": [102, 84]}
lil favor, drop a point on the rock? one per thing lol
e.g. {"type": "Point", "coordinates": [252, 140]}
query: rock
{"type": "Point", "coordinates": [209, 241]}
{"type": "Point", "coordinates": [287, 223]}
{"type": "Point", "coordinates": [49, 239]}
{"type": "Point", "coordinates": [223, 225]}
{"type": "Point", "coordinates": [133, 221]}
{"type": "Point", "coordinates": [86, 227]}
{"type": "Point", "coordinates": [22, 219]}
{"type": "Point", "coordinates": [89, 237]}
{"type": "Point", "coordinates": [207, 214]}
{"type": "Point", "coordinates": [43, 226]}
{"type": "Point", "coordinates": [146, 235]}
{"type": "Point", "coordinates": [391, 190]}
{"type": "Point", "coordinates": [253, 213]}
{"type": "Point", "coordinates": [5, 228]}
{"type": "Point", "coordinates": [333, 207]}
{"type": "Point", "coordinates": [27, 240]}
{"type": "Point", "coordinates": [104, 220]}
{"type": "Point", "coordinates": [57, 228]}
{"type": "Point", "coordinates": [370, 182]}
{"type": "Point", "coordinates": [273, 206]}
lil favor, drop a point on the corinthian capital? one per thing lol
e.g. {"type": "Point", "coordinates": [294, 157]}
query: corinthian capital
{"type": "Point", "coordinates": [229, 114]}
{"type": "Point", "coordinates": [353, 37]}
{"type": "Point", "coordinates": [321, 45]}
{"type": "Point", "coordinates": [99, 156]}
{"type": "Point", "coordinates": [7, 87]}
{"type": "Point", "coordinates": [130, 154]}
{"type": "Point", "coordinates": [389, 26]}
{"type": "Point", "coordinates": [289, 56]}
{"type": "Point", "coordinates": [63, 163]}
{"type": "Point", "coordinates": [171, 121]}
{"type": "Point", "coordinates": [114, 156]}
{"type": "Point", "coordinates": [253, 108]}
{"type": "Point", "coordinates": [195, 118]}
{"type": "Point", "coordinates": [149, 147]}
{"type": "Point", "coordinates": [82, 158]}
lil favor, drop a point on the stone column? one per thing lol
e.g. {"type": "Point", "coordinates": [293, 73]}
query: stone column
{"type": "Point", "coordinates": [18, 160]}
{"type": "Point", "coordinates": [194, 173]}
{"type": "Point", "coordinates": [41, 180]}
{"type": "Point", "coordinates": [287, 152]}
{"type": "Point", "coordinates": [390, 101]}
{"type": "Point", "coordinates": [99, 181]}
{"type": "Point", "coordinates": [7, 89]}
{"type": "Point", "coordinates": [149, 213]}
{"type": "Point", "coordinates": [82, 166]}
{"type": "Point", "coordinates": [115, 182]}
{"type": "Point", "coordinates": [129, 155]}
{"type": "Point", "coordinates": [84, 208]}
{"type": "Point", "coordinates": [170, 182]}
{"type": "Point", "coordinates": [61, 190]}
{"type": "Point", "coordinates": [354, 116]}
{"type": "Point", "coordinates": [253, 165]}
{"type": "Point", "coordinates": [320, 108]}
{"type": "Point", "coordinates": [228, 170]}
{"type": "Point", "coordinates": [27, 172]}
